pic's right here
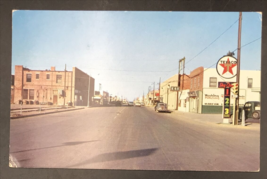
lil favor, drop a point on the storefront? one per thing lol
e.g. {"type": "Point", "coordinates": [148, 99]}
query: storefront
{"type": "Point", "coordinates": [195, 101]}
{"type": "Point", "coordinates": [213, 100]}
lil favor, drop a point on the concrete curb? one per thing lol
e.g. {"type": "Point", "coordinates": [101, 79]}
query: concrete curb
{"type": "Point", "coordinates": [38, 114]}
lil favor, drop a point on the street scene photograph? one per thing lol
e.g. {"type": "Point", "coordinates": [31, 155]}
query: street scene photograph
{"type": "Point", "coordinates": [136, 90]}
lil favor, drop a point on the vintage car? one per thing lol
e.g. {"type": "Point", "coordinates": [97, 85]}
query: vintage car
{"type": "Point", "coordinates": [161, 107]}
{"type": "Point", "coordinates": [137, 104]}
{"type": "Point", "coordinates": [252, 109]}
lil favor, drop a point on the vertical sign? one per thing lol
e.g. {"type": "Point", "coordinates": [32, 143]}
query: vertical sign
{"type": "Point", "coordinates": [226, 113]}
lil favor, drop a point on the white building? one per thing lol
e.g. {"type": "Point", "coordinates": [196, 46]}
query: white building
{"type": "Point", "coordinates": [212, 96]}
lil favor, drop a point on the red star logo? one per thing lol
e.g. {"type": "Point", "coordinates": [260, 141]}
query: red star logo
{"type": "Point", "coordinates": [227, 67]}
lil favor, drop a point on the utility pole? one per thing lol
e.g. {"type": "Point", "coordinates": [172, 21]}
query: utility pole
{"type": "Point", "coordinates": [178, 80]}
{"type": "Point", "coordinates": [153, 93]}
{"type": "Point", "coordinates": [159, 88]}
{"type": "Point", "coordinates": [64, 93]}
{"type": "Point", "coordinates": [88, 102]}
{"type": "Point", "coordinates": [238, 68]}
{"type": "Point", "coordinates": [143, 98]}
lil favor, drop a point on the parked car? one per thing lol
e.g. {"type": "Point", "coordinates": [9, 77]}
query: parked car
{"type": "Point", "coordinates": [118, 103]}
{"type": "Point", "coordinates": [252, 109]}
{"type": "Point", "coordinates": [161, 107]}
{"type": "Point", "coordinates": [137, 104]}
{"type": "Point", "coordinates": [130, 103]}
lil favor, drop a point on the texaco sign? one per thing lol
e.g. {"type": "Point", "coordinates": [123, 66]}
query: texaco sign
{"type": "Point", "coordinates": [227, 67]}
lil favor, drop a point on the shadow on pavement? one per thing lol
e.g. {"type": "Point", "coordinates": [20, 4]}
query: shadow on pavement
{"type": "Point", "coordinates": [64, 144]}
{"type": "Point", "coordinates": [118, 156]}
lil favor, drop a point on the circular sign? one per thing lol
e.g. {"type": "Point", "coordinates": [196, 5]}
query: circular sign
{"type": "Point", "coordinates": [227, 67]}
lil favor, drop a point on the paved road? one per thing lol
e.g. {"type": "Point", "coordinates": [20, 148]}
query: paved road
{"type": "Point", "coordinates": [131, 138]}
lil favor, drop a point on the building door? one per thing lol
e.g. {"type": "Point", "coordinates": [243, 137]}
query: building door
{"type": "Point", "coordinates": [55, 99]}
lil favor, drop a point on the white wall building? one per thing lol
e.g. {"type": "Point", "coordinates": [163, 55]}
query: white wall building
{"type": "Point", "coordinates": [212, 96]}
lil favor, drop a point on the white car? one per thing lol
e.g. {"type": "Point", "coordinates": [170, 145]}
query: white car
{"type": "Point", "coordinates": [137, 104]}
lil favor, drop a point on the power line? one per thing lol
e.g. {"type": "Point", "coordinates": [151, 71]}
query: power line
{"type": "Point", "coordinates": [249, 43]}
{"type": "Point", "coordinates": [233, 51]}
{"type": "Point", "coordinates": [212, 42]}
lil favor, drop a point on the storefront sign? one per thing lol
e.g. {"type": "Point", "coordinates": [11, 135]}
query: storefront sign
{"type": "Point", "coordinates": [226, 113]}
{"type": "Point", "coordinates": [211, 96]}
{"type": "Point", "coordinates": [192, 94]}
{"type": "Point", "coordinates": [227, 67]}
{"type": "Point", "coordinates": [174, 88]}
{"type": "Point", "coordinates": [225, 84]}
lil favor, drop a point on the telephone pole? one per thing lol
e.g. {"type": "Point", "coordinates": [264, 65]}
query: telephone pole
{"type": "Point", "coordinates": [153, 93]}
{"type": "Point", "coordinates": [238, 68]}
{"type": "Point", "coordinates": [159, 89]}
{"type": "Point", "coordinates": [88, 102]}
{"type": "Point", "coordinates": [64, 92]}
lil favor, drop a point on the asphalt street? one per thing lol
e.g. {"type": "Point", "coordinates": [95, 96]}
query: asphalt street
{"type": "Point", "coordinates": [135, 138]}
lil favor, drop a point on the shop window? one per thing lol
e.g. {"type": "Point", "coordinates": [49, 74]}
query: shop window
{"type": "Point", "coordinates": [213, 82]}
{"type": "Point", "coordinates": [59, 79]}
{"type": "Point", "coordinates": [25, 94]}
{"type": "Point", "coordinates": [250, 81]}
{"type": "Point", "coordinates": [47, 76]}
{"type": "Point", "coordinates": [28, 77]}
{"type": "Point", "coordinates": [31, 94]}
{"type": "Point", "coordinates": [37, 76]}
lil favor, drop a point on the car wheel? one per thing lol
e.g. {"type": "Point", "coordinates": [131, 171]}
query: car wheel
{"type": "Point", "coordinates": [256, 115]}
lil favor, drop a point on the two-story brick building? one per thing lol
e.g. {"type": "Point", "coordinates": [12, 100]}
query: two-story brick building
{"type": "Point", "coordinates": [51, 86]}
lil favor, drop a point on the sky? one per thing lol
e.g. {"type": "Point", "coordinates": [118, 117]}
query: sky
{"type": "Point", "coordinates": [127, 51]}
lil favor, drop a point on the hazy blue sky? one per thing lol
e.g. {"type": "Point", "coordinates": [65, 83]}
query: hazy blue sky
{"type": "Point", "coordinates": [126, 51]}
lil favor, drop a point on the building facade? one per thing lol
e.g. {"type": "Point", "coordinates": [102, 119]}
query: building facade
{"type": "Point", "coordinates": [52, 87]}
{"type": "Point", "coordinates": [195, 92]}
{"type": "Point", "coordinates": [213, 96]}
{"type": "Point", "coordinates": [167, 95]}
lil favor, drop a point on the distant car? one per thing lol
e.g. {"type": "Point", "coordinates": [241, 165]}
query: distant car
{"type": "Point", "coordinates": [130, 103]}
{"type": "Point", "coordinates": [118, 103]}
{"type": "Point", "coordinates": [142, 104]}
{"type": "Point", "coordinates": [137, 104]}
{"type": "Point", "coordinates": [161, 107]}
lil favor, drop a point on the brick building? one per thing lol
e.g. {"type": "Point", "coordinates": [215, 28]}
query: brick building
{"type": "Point", "coordinates": [51, 86]}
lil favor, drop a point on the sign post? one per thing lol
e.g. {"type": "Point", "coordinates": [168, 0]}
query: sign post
{"type": "Point", "coordinates": [226, 68]}
{"type": "Point", "coordinates": [226, 114]}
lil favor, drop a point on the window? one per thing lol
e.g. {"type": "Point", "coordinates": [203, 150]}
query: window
{"type": "Point", "coordinates": [213, 82]}
{"type": "Point", "coordinates": [25, 94]}
{"type": "Point", "coordinates": [59, 79]}
{"type": "Point", "coordinates": [47, 76]}
{"type": "Point", "coordinates": [28, 77]}
{"type": "Point", "coordinates": [37, 76]}
{"type": "Point", "coordinates": [31, 94]}
{"type": "Point", "coordinates": [250, 81]}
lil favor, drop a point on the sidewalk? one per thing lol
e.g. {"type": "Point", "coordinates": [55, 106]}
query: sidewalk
{"type": "Point", "coordinates": [211, 119]}
{"type": "Point", "coordinates": [34, 110]}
